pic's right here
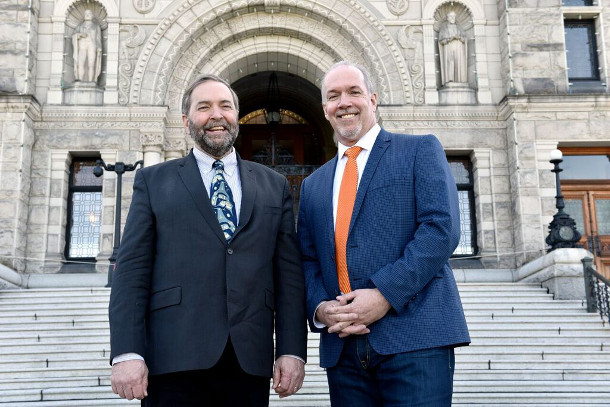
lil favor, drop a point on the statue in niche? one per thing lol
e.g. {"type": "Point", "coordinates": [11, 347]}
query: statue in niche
{"type": "Point", "coordinates": [452, 46]}
{"type": "Point", "coordinates": [87, 45]}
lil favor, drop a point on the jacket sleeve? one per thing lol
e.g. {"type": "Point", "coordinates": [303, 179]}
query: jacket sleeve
{"type": "Point", "coordinates": [291, 328]}
{"type": "Point", "coordinates": [311, 264]}
{"type": "Point", "coordinates": [132, 275]}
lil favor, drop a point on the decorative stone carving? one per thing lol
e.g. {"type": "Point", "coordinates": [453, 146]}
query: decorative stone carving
{"type": "Point", "coordinates": [272, 6]}
{"type": "Point", "coordinates": [151, 140]}
{"type": "Point", "coordinates": [129, 52]}
{"type": "Point", "coordinates": [87, 49]}
{"type": "Point", "coordinates": [144, 6]}
{"type": "Point", "coordinates": [452, 44]}
{"type": "Point", "coordinates": [411, 40]}
{"type": "Point", "coordinates": [398, 7]}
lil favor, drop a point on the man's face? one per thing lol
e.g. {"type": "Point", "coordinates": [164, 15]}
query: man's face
{"type": "Point", "coordinates": [212, 119]}
{"type": "Point", "coordinates": [451, 18]}
{"type": "Point", "coordinates": [88, 15]}
{"type": "Point", "coordinates": [348, 106]}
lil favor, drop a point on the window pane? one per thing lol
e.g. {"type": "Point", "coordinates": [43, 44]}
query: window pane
{"type": "Point", "coordinates": [581, 50]}
{"type": "Point", "coordinates": [602, 213]}
{"type": "Point", "coordinates": [585, 167]}
{"type": "Point", "coordinates": [573, 207]}
{"type": "Point", "coordinates": [83, 174]}
{"type": "Point", "coordinates": [576, 3]}
{"type": "Point", "coordinates": [86, 221]}
{"type": "Point", "coordinates": [459, 169]}
{"type": "Point", "coordinates": [466, 245]}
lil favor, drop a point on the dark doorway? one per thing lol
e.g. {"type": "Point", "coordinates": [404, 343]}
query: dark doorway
{"type": "Point", "coordinates": [282, 125]}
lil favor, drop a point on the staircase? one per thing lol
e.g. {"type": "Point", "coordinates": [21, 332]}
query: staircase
{"type": "Point", "coordinates": [527, 350]}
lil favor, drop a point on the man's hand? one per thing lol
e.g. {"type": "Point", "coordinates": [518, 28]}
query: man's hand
{"type": "Point", "coordinates": [367, 305]}
{"type": "Point", "coordinates": [288, 375]}
{"type": "Point", "coordinates": [335, 317]}
{"type": "Point", "coordinates": [130, 379]}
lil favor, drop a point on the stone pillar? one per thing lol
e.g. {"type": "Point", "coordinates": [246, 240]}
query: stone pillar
{"type": "Point", "coordinates": [480, 50]}
{"type": "Point", "coordinates": [493, 211]}
{"type": "Point", "coordinates": [111, 95]}
{"type": "Point", "coordinates": [431, 92]}
{"type": "Point", "coordinates": [152, 145]}
{"type": "Point", "coordinates": [525, 188]}
{"type": "Point", "coordinates": [55, 93]}
{"type": "Point", "coordinates": [55, 243]}
{"type": "Point", "coordinates": [17, 115]}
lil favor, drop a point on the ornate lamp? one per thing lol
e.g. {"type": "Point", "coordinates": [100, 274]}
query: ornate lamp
{"type": "Point", "coordinates": [120, 168]}
{"type": "Point", "coordinates": [562, 229]}
{"type": "Point", "coordinates": [272, 108]}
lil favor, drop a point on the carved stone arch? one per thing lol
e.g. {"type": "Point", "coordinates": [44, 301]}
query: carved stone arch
{"type": "Point", "coordinates": [246, 57]}
{"type": "Point", "coordinates": [473, 6]}
{"type": "Point", "coordinates": [62, 6]}
{"type": "Point", "coordinates": [191, 20]}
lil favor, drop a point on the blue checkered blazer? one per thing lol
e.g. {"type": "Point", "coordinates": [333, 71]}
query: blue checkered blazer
{"type": "Point", "coordinates": [404, 227]}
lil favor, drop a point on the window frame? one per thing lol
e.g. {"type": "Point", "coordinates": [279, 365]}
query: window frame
{"type": "Point", "coordinates": [469, 187]}
{"type": "Point", "coordinates": [70, 207]}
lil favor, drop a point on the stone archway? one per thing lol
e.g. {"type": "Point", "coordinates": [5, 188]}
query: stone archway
{"type": "Point", "coordinates": [197, 38]}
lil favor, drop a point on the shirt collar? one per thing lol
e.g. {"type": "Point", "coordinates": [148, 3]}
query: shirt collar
{"type": "Point", "coordinates": [205, 161]}
{"type": "Point", "coordinates": [366, 141]}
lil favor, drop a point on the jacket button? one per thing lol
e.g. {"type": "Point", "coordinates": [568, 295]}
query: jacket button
{"type": "Point", "coordinates": [230, 251]}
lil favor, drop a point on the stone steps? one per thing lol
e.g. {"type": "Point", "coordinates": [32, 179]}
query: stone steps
{"type": "Point", "coordinates": [527, 350]}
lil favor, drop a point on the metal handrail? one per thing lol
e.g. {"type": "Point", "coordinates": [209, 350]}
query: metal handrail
{"type": "Point", "coordinates": [597, 290]}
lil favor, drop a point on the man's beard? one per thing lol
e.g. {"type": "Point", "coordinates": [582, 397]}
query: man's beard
{"type": "Point", "coordinates": [215, 148]}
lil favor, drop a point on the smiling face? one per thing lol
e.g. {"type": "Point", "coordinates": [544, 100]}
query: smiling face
{"type": "Point", "coordinates": [348, 104]}
{"type": "Point", "coordinates": [212, 118]}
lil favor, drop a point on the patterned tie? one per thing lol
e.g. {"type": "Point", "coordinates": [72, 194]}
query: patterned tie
{"type": "Point", "coordinates": [345, 206]}
{"type": "Point", "coordinates": [222, 201]}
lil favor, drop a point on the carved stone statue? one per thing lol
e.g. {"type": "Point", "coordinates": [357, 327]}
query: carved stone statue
{"type": "Point", "coordinates": [452, 46]}
{"type": "Point", "coordinates": [87, 44]}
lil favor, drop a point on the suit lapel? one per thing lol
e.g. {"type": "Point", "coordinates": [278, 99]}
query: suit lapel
{"type": "Point", "coordinates": [248, 193]}
{"type": "Point", "coordinates": [191, 177]}
{"type": "Point", "coordinates": [379, 148]}
{"type": "Point", "coordinates": [327, 190]}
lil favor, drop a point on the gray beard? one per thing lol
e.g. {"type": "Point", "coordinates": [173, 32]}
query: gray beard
{"type": "Point", "coordinates": [212, 147]}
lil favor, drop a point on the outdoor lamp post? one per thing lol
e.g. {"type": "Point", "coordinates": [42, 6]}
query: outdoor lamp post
{"type": "Point", "coordinates": [562, 229]}
{"type": "Point", "coordinates": [119, 168]}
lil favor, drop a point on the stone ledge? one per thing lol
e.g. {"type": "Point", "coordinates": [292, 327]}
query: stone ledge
{"type": "Point", "coordinates": [560, 271]}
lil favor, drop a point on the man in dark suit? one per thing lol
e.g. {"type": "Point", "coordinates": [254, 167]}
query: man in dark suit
{"type": "Point", "coordinates": [208, 267]}
{"type": "Point", "coordinates": [377, 225]}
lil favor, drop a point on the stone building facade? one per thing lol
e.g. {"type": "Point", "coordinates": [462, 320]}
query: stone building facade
{"type": "Point", "coordinates": [520, 99]}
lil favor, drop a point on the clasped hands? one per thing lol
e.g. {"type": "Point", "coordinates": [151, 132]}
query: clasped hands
{"type": "Point", "coordinates": [352, 313]}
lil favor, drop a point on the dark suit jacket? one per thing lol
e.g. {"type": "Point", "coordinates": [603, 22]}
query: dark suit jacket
{"type": "Point", "coordinates": [179, 290]}
{"type": "Point", "coordinates": [404, 227]}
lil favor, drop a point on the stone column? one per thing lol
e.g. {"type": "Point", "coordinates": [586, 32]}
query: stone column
{"type": "Point", "coordinates": [152, 145]}
{"type": "Point", "coordinates": [431, 92]}
{"type": "Point", "coordinates": [16, 140]}
{"type": "Point", "coordinates": [480, 50]}
{"type": "Point", "coordinates": [111, 95]}
{"type": "Point", "coordinates": [55, 93]}
{"type": "Point", "coordinates": [493, 211]}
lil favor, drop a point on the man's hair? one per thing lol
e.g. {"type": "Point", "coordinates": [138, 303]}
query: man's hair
{"type": "Point", "coordinates": [186, 98]}
{"type": "Point", "coordinates": [365, 74]}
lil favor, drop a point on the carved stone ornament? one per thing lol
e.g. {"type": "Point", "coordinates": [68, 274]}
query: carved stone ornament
{"type": "Point", "coordinates": [411, 40]}
{"type": "Point", "coordinates": [398, 7]}
{"type": "Point", "coordinates": [272, 6]}
{"type": "Point", "coordinates": [129, 52]}
{"type": "Point", "coordinates": [144, 6]}
{"type": "Point", "coordinates": [151, 139]}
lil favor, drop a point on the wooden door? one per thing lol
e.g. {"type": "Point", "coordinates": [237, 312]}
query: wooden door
{"type": "Point", "coordinates": [589, 206]}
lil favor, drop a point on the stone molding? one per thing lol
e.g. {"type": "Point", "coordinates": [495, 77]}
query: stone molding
{"type": "Point", "coordinates": [189, 19]}
{"type": "Point", "coordinates": [21, 104]}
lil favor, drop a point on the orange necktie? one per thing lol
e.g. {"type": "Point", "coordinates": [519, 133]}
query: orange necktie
{"type": "Point", "coordinates": [345, 207]}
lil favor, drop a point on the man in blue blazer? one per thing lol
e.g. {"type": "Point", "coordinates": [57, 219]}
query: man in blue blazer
{"type": "Point", "coordinates": [390, 321]}
{"type": "Point", "coordinates": [208, 271]}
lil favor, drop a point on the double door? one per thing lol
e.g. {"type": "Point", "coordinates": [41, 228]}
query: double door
{"type": "Point", "coordinates": [589, 206]}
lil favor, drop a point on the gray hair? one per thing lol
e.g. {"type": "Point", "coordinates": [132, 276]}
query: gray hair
{"type": "Point", "coordinates": [186, 98]}
{"type": "Point", "coordinates": [365, 74]}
